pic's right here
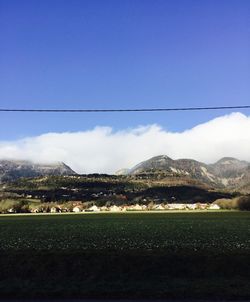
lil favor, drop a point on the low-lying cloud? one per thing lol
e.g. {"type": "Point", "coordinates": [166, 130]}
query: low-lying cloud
{"type": "Point", "coordinates": [106, 151]}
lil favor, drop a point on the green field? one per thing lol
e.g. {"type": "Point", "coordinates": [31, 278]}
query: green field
{"type": "Point", "coordinates": [199, 255]}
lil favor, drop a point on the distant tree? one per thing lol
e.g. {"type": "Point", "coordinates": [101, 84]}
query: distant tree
{"type": "Point", "coordinates": [24, 206]}
{"type": "Point", "coordinates": [150, 205]}
{"type": "Point", "coordinates": [244, 203]}
{"type": "Point", "coordinates": [227, 204]}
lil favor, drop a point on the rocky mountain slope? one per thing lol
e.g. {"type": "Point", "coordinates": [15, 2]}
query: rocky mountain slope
{"type": "Point", "coordinates": [13, 169]}
{"type": "Point", "coordinates": [228, 172]}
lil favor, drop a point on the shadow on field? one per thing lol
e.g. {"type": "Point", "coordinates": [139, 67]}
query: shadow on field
{"type": "Point", "coordinates": [126, 275]}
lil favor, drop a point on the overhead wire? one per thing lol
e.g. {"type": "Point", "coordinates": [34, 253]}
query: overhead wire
{"type": "Point", "coordinates": [123, 110]}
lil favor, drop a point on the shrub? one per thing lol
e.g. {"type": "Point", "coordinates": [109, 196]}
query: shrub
{"type": "Point", "coordinates": [6, 204]}
{"type": "Point", "coordinates": [227, 204]}
{"type": "Point", "coordinates": [244, 203]}
{"type": "Point", "coordinates": [18, 206]}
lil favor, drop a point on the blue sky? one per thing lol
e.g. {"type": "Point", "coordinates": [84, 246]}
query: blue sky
{"type": "Point", "coordinates": [121, 54]}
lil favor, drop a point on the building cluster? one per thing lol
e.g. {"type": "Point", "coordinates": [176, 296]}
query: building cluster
{"type": "Point", "coordinates": [126, 208]}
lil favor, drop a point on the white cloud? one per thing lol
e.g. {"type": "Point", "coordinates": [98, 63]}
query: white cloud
{"type": "Point", "coordinates": [106, 151]}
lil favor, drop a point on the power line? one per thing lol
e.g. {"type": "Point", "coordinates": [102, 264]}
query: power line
{"type": "Point", "coordinates": [123, 110]}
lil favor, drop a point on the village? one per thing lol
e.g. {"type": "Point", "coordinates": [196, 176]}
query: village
{"type": "Point", "coordinates": [79, 208]}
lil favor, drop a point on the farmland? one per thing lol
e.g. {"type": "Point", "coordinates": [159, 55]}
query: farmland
{"type": "Point", "coordinates": [132, 255]}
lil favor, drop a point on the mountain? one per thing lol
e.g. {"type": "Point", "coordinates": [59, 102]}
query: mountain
{"type": "Point", "coordinates": [13, 169]}
{"type": "Point", "coordinates": [229, 167]}
{"type": "Point", "coordinates": [228, 172]}
{"type": "Point", "coordinates": [122, 172]}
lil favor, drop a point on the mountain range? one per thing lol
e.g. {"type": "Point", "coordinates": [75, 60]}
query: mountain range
{"type": "Point", "coordinates": [227, 173]}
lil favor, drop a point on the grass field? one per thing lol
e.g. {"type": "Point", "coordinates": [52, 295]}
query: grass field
{"type": "Point", "coordinates": [199, 255]}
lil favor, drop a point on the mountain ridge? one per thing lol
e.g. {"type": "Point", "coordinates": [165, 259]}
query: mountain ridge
{"type": "Point", "coordinates": [227, 172]}
{"type": "Point", "coordinates": [11, 170]}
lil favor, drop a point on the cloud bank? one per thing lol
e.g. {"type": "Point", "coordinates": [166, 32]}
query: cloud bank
{"type": "Point", "coordinates": [105, 151]}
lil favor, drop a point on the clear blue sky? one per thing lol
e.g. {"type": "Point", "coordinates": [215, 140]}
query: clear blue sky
{"type": "Point", "coordinates": [121, 54]}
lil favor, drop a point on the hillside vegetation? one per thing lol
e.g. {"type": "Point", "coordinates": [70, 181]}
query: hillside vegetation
{"type": "Point", "coordinates": [105, 190]}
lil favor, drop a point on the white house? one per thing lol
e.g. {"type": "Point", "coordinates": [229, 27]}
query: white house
{"type": "Point", "coordinates": [104, 208]}
{"type": "Point", "coordinates": [115, 209]}
{"type": "Point", "coordinates": [35, 210]}
{"type": "Point", "coordinates": [77, 209]}
{"type": "Point", "coordinates": [136, 207]}
{"type": "Point", "coordinates": [191, 206]}
{"type": "Point", "coordinates": [158, 207]}
{"type": "Point", "coordinates": [94, 209]}
{"type": "Point", "coordinates": [11, 210]}
{"type": "Point", "coordinates": [214, 207]}
{"type": "Point", "coordinates": [55, 210]}
{"type": "Point", "coordinates": [176, 206]}
{"type": "Point", "coordinates": [202, 206]}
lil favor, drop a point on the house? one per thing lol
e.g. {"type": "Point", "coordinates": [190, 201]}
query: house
{"type": "Point", "coordinates": [94, 209]}
{"type": "Point", "coordinates": [136, 207]}
{"type": "Point", "coordinates": [104, 208]}
{"type": "Point", "coordinates": [202, 206]}
{"type": "Point", "coordinates": [158, 207]}
{"type": "Point", "coordinates": [176, 206]}
{"type": "Point", "coordinates": [54, 210]}
{"type": "Point", "coordinates": [35, 210]}
{"type": "Point", "coordinates": [77, 209]}
{"type": "Point", "coordinates": [115, 209]}
{"type": "Point", "coordinates": [214, 207]}
{"type": "Point", "coordinates": [65, 210]}
{"type": "Point", "coordinates": [191, 206]}
{"type": "Point", "coordinates": [11, 210]}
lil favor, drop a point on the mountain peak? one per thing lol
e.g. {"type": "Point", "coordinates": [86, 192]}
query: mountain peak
{"type": "Point", "coordinates": [227, 160]}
